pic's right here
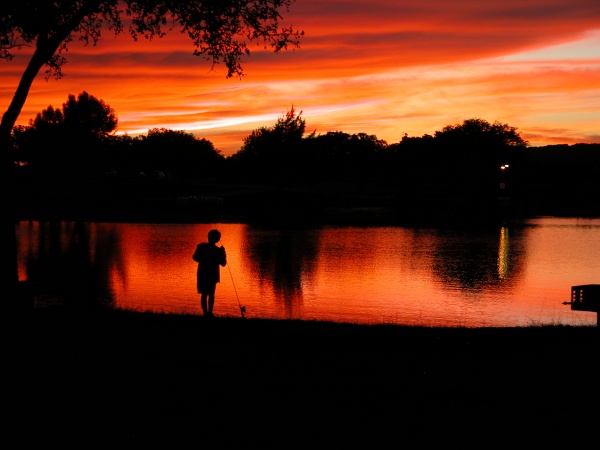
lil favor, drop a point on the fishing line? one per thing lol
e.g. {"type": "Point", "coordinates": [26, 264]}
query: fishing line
{"type": "Point", "coordinates": [242, 308]}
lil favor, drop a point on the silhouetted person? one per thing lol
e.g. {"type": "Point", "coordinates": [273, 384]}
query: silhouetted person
{"type": "Point", "coordinates": [209, 258]}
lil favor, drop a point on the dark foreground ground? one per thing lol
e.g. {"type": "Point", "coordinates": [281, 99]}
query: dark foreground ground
{"type": "Point", "coordinates": [123, 380]}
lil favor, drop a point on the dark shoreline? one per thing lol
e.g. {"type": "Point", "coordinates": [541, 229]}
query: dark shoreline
{"type": "Point", "coordinates": [290, 204]}
{"type": "Point", "coordinates": [123, 377]}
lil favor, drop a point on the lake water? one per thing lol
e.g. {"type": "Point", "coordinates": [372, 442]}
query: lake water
{"type": "Point", "coordinates": [514, 275]}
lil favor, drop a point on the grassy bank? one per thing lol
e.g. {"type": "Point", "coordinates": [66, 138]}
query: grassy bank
{"type": "Point", "coordinates": [124, 378]}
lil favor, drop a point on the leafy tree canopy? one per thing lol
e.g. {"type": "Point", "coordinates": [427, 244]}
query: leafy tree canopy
{"type": "Point", "coordinates": [82, 118]}
{"type": "Point", "coordinates": [65, 140]}
{"type": "Point", "coordinates": [89, 115]}
{"type": "Point", "coordinates": [269, 143]}
{"type": "Point", "coordinates": [178, 152]}
{"type": "Point", "coordinates": [474, 133]}
{"type": "Point", "coordinates": [220, 30]}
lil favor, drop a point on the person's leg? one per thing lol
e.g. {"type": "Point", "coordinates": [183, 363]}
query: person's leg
{"type": "Point", "coordinates": [211, 303]}
{"type": "Point", "coordinates": [203, 303]}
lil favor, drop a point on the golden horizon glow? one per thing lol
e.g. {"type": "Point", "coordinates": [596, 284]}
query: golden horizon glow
{"type": "Point", "coordinates": [384, 68]}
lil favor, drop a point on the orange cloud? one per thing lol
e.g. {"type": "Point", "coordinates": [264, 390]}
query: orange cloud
{"type": "Point", "coordinates": [380, 67]}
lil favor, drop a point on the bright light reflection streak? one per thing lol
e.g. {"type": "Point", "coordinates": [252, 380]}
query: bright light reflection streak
{"type": "Point", "coordinates": [503, 253]}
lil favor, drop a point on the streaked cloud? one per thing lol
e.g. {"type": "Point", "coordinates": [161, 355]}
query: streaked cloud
{"type": "Point", "coordinates": [378, 67]}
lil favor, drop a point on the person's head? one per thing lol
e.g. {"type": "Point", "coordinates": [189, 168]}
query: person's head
{"type": "Point", "coordinates": [214, 236]}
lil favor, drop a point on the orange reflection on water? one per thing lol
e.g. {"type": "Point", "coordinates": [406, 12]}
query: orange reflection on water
{"type": "Point", "coordinates": [160, 274]}
{"type": "Point", "coordinates": [364, 275]}
{"type": "Point", "coordinates": [382, 273]}
{"type": "Point", "coordinates": [562, 252]}
{"type": "Point", "coordinates": [355, 274]}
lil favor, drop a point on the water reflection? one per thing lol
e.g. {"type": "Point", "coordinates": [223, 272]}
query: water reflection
{"type": "Point", "coordinates": [70, 262]}
{"type": "Point", "coordinates": [362, 275]}
{"type": "Point", "coordinates": [476, 260]}
{"type": "Point", "coordinates": [283, 260]}
{"type": "Point", "coordinates": [503, 253]}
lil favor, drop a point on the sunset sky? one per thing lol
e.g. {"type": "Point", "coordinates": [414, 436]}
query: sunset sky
{"type": "Point", "coordinates": [385, 68]}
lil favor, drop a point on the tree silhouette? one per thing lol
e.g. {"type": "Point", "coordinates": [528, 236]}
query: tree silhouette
{"type": "Point", "coordinates": [480, 134]}
{"type": "Point", "coordinates": [86, 117]}
{"type": "Point", "coordinates": [473, 151]}
{"type": "Point", "coordinates": [221, 31]}
{"type": "Point", "coordinates": [65, 142]}
{"type": "Point", "coordinates": [336, 155]}
{"type": "Point", "coordinates": [470, 152]}
{"type": "Point", "coordinates": [271, 152]}
{"type": "Point", "coordinates": [178, 153]}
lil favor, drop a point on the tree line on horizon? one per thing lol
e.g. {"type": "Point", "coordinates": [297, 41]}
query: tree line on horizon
{"type": "Point", "coordinates": [77, 141]}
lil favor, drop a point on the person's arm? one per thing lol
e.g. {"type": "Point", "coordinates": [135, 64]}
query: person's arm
{"type": "Point", "coordinates": [223, 261]}
{"type": "Point", "coordinates": [196, 255]}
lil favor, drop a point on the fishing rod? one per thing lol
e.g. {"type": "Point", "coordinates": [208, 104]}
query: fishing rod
{"type": "Point", "coordinates": [242, 308]}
